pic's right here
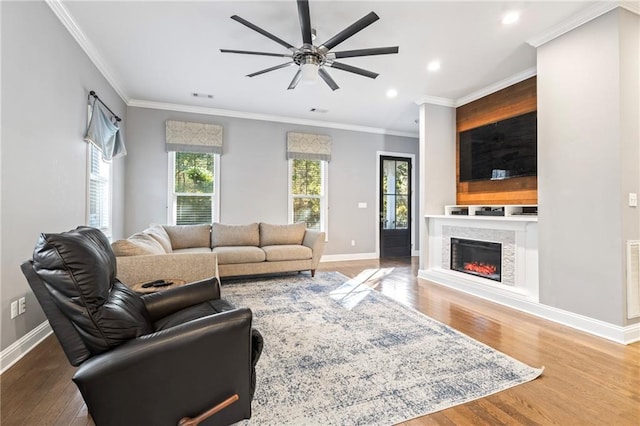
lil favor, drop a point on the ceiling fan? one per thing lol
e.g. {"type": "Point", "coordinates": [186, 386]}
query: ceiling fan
{"type": "Point", "coordinates": [313, 60]}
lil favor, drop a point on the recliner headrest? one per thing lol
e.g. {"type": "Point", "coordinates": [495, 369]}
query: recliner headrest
{"type": "Point", "coordinates": [79, 270]}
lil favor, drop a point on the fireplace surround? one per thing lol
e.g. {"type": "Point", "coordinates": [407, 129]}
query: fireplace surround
{"type": "Point", "coordinates": [517, 237]}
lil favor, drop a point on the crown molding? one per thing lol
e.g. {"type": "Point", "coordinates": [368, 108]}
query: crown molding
{"type": "Point", "coordinates": [265, 117]}
{"type": "Point", "coordinates": [631, 6]}
{"type": "Point", "coordinates": [516, 78]}
{"type": "Point", "coordinates": [70, 24]}
{"type": "Point", "coordinates": [434, 100]}
{"type": "Point", "coordinates": [582, 18]}
{"type": "Point", "coordinates": [509, 81]}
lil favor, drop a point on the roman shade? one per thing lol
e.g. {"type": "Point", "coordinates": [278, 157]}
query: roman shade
{"type": "Point", "coordinates": [307, 146]}
{"type": "Point", "coordinates": [185, 136]}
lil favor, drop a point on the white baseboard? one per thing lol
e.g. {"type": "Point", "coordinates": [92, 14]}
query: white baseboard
{"type": "Point", "coordinates": [356, 256]}
{"type": "Point", "coordinates": [632, 333]}
{"type": "Point", "coordinates": [348, 256]}
{"type": "Point", "coordinates": [14, 352]}
{"type": "Point", "coordinates": [618, 334]}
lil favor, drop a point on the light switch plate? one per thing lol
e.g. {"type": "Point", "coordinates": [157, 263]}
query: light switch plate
{"type": "Point", "coordinates": [633, 199]}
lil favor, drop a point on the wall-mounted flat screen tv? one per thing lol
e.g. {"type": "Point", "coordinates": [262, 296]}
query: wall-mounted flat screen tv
{"type": "Point", "coordinates": [501, 150]}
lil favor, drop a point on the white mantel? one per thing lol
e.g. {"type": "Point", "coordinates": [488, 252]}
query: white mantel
{"type": "Point", "coordinates": [519, 238]}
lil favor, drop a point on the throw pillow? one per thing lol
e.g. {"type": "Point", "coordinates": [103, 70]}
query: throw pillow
{"type": "Point", "coordinates": [137, 245]}
{"type": "Point", "coordinates": [160, 235]}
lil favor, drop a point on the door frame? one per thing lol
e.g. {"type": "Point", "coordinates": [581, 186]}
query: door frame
{"type": "Point", "coordinates": [412, 157]}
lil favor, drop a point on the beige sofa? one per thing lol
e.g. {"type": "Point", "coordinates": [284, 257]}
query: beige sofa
{"type": "Point", "coordinates": [194, 252]}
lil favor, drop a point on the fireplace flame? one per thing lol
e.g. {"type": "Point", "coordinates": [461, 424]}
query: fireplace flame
{"type": "Point", "coordinates": [480, 268]}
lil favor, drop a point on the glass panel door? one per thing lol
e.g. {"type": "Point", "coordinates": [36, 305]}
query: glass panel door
{"type": "Point", "coordinates": [395, 206]}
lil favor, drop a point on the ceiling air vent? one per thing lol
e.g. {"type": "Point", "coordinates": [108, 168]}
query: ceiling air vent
{"type": "Point", "coordinates": [201, 95]}
{"type": "Point", "coordinates": [319, 110]}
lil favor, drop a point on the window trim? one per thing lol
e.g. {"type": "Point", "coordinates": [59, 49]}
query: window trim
{"type": "Point", "coordinates": [172, 200]}
{"type": "Point", "coordinates": [324, 196]}
{"type": "Point", "coordinates": [108, 230]}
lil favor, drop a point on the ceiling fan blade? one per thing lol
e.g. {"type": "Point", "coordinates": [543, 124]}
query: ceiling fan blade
{"type": "Point", "coordinates": [296, 80]}
{"type": "Point", "coordinates": [364, 52]}
{"type": "Point", "coordinates": [248, 52]}
{"type": "Point", "coordinates": [263, 32]}
{"type": "Point", "coordinates": [277, 67]}
{"type": "Point", "coordinates": [305, 21]}
{"type": "Point", "coordinates": [355, 70]}
{"type": "Point", "coordinates": [352, 29]}
{"type": "Point", "coordinates": [327, 79]}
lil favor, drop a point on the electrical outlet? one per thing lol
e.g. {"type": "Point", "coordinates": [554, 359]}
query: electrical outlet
{"type": "Point", "coordinates": [14, 309]}
{"type": "Point", "coordinates": [353, 242]}
{"type": "Point", "coordinates": [22, 305]}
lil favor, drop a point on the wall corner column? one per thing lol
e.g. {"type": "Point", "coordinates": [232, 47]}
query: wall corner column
{"type": "Point", "coordinates": [437, 164]}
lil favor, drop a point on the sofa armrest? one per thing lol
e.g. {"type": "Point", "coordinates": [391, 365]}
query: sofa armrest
{"type": "Point", "coordinates": [315, 241]}
{"type": "Point", "coordinates": [189, 267]}
{"type": "Point", "coordinates": [162, 303]}
{"type": "Point", "coordinates": [159, 378]}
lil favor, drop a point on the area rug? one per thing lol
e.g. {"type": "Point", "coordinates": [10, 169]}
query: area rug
{"type": "Point", "coordinates": [338, 352]}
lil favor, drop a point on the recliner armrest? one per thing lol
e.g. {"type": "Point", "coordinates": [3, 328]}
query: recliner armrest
{"type": "Point", "coordinates": [181, 371]}
{"type": "Point", "coordinates": [163, 303]}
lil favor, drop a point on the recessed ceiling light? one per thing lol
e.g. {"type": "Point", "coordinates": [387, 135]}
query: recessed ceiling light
{"type": "Point", "coordinates": [510, 17]}
{"type": "Point", "coordinates": [433, 66]}
{"type": "Point", "coordinates": [392, 93]}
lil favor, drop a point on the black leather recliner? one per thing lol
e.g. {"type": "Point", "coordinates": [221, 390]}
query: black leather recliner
{"type": "Point", "coordinates": [143, 360]}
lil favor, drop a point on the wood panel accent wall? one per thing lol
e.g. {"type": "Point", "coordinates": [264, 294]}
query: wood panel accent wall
{"type": "Point", "coordinates": [508, 102]}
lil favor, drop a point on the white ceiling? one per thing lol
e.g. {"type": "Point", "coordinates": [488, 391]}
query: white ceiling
{"type": "Point", "coordinates": [158, 53]}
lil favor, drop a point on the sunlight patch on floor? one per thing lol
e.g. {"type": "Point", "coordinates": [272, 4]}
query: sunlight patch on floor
{"type": "Point", "coordinates": [354, 291]}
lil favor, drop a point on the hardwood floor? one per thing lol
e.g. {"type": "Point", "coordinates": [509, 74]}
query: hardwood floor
{"type": "Point", "coordinates": [587, 380]}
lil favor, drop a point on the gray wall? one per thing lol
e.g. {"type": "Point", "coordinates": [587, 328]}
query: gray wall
{"type": "Point", "coordinates": [254, 175]}
{"type": "Point", "coordinates": [588, 161]}
{"type": "Point", "coordinates": [45, 81]}
{"type": "Point", "coordinates": [438, 165]}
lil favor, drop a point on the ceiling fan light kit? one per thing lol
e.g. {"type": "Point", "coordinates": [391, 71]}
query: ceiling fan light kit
{"type": "Point", "coordinates": [309, 71]}
{"type": "Point", "coordinates": [312, 60]}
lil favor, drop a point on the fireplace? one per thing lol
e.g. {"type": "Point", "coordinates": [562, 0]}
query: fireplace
{"type": "Point", "coordinates": [479, 258]}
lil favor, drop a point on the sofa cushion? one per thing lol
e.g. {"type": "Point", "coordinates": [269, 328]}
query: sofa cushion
{"type": "Point", "coordinates": [187, 236]}
{"type": "Point", "coordinates": [193, 250]}
{"type": "Point", "coordinates": [160, 235]}
{"type": "Point", "coordinates": [239, 254]}
{"type": "Point", "coordinates": [235, 235]}
{"type": "Point", "coordinates": [271, 235]}
{"type": "Point", "coordinates": [287, 252]}
{"type": "Point", "coordinates": [136, 245]}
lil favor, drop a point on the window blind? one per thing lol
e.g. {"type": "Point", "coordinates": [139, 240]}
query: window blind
{"type": "Point", "coordinates": [185, 136]}
{"type": "Point", "coordinates": [99, 192]}
{"type": "Point", "coordinates": [307, 146]}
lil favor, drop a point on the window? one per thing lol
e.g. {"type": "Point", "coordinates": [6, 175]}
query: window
{"type": "Point", "coordinates": [99, 191]}
{"type": "Point", "coordinates": [308, 193]}
{"type": "Point", "coordinates": [194, 188]}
